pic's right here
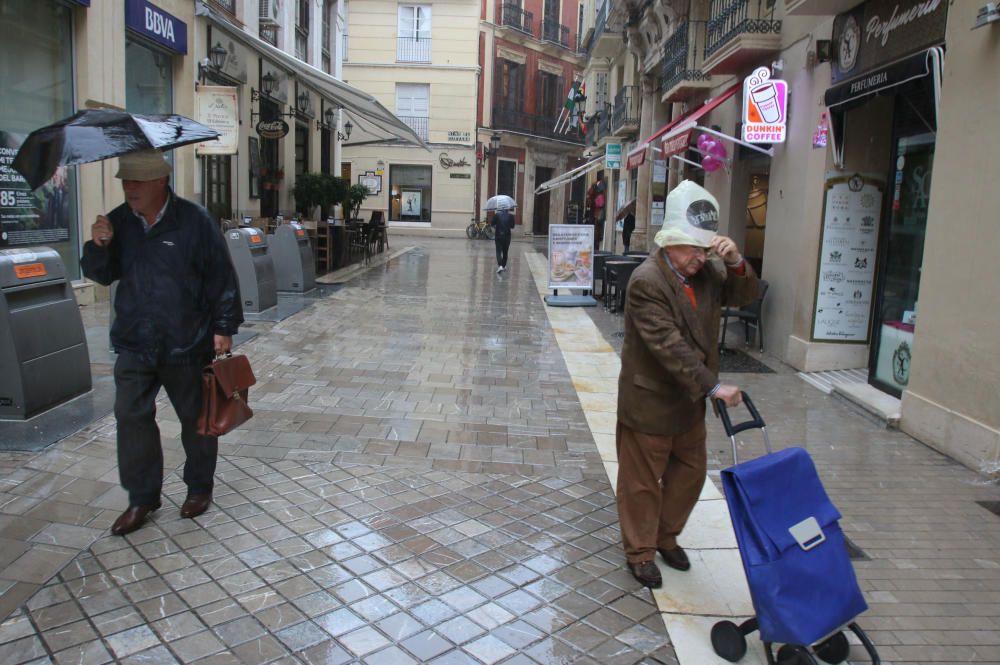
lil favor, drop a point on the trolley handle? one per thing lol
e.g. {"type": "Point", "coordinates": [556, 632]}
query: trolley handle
{"type": "Point", "coordinates": [756, 421]}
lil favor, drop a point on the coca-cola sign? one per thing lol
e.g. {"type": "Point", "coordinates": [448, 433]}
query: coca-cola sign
{"type": "Point", "coordinates": [272, 129]}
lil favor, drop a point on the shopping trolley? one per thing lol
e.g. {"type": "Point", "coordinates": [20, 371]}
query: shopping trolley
{"type": "Point", "coordinates": [800, 575]}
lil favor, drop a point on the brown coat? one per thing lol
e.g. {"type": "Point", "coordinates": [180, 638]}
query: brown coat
{"type": "Point", "coordinates": [670, 357]}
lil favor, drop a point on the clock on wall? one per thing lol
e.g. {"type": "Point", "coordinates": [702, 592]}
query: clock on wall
{"type": "Point", "coordinates": [850, 41]}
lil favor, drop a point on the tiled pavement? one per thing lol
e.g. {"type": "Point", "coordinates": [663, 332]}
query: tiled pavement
{"type": "Point", "coordinates": [421, 484]}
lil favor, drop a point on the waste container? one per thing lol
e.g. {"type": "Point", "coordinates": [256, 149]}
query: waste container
{"type": "Point", "coordinates": [43, 347]}
{"type": "Point", "coordinates": [294, 265]}
{"type": "Point", "coordinates": [254, 268]}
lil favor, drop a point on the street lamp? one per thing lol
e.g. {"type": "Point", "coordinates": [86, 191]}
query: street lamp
{"type": "Point", "coordinates": [303, 101]}
{"type": "Point", "coordinates": [493, 148]}
{"type": "Point", "coordinates": [346, 134]}
{"type": "Point", "coordinates": [214, 62]}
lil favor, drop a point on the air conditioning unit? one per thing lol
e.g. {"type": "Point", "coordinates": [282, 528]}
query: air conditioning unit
{"type": "Point", "coordinates": [269, 10]}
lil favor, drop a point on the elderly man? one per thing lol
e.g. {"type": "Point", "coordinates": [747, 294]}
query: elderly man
{"type": "Point", "coordinates": [670, 364]}
{"type": "Point", "coordinates": [177, 302]}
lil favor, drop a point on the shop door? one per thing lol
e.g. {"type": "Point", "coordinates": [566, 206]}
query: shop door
{"type": "Point", "coordinates": [540, 219]}
{"type": "Point", "coordinates": [271, 172]}
{"type": "Point", "coordinates": [900, 257]}
{"type": "Point", "coordinates": [756, 223]}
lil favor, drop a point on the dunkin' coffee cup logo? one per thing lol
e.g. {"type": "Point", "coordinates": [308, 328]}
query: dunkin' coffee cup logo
{"type": "Point", "coordinates": [702, 214]}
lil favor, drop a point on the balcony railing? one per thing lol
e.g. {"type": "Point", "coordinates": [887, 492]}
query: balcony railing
{"type": "Point", "coordinates": [599, 24]}
{"type": "Point", "coordinates": [269, 33]}
{"type": "Point", "coordinates": [417, 123]}
{"type": "Point", "coordinates": [600, 124]}
{"type": "Point", "coordinates": [555, 32]}
{"type": "Point", "coordinates": [512, 16]}
{"type": "Point", "coordinates": [680, 58]}
{"type": "Point", "coordinates": [409, 49]}
{"type": "Point", "coordinates": [228, 5]}
{"type": "Point", "coordinates": [731, 18]}
{"type": "Point", "coordinates": [529, 123]}
{"type": "Point", "coordinates": [626, 108]}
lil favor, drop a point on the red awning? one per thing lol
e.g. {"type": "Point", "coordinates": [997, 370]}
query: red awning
{"type": "Point", "coordinates": [678, 137]}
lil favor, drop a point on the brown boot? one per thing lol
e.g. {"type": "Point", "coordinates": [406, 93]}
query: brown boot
{"type": "Point", "coordinates": [195, 504]}
{"type": "Point", "coordinates": [676, 558]}
{"type": "Point", "coordinates": [647, 574]}
{"type": "Point", "coordinates": [131, 519]}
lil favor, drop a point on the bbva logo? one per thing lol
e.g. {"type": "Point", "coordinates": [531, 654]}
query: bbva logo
{"type": "Point", "coordinates": [159, 24]}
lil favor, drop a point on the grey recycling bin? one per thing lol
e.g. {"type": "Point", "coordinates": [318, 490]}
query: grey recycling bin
{"type": "Point", "coordinates": [294, 265]}
{"type": "Point", "coordinates": [254, 268]}
{"type": "Point", "coordinates": [43, 347]}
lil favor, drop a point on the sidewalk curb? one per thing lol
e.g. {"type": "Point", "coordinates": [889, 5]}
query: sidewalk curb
{"type": "Point", "coordinates": [346, 274]}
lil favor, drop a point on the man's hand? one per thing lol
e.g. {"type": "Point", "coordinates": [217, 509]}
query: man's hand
{"type": "Point", "coordinates": [102, 232]}
{"type": "Point", "coordinates": [726, 248]}
{"type": "Point", "coordinates": [730, 395]}
{"type": "Point", "coordinates": [223, 344]}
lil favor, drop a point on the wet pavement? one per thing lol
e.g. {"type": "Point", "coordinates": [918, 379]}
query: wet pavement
{"type": "Point", "coordinates": [424, 481]}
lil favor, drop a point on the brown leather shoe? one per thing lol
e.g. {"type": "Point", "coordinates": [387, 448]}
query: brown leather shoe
{"type": "Point", "coordinates": [195, 505]}
{"type": "Point", "coordinates": [676, 558]}
{"type": "Point", "coordinates": [647, 574]}
{"type": "Point", "coordinates": [131, 519]}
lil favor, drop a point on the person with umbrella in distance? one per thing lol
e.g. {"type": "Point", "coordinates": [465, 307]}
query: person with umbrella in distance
{"type": "Point", "coordinates": [176, 305]}
{"type": "Point", "coordinates": [503, 224]}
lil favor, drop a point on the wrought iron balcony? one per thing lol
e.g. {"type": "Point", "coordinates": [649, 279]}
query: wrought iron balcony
{"type": "Point", "coordinates": [530, 123]}
{"type": "Point", "coordinates": [600, 124]}
{"type": "Point", "coordinates": [410, 49]}
{"type": "Point", "coordinates": [228, 5]}
{"type": "Point", "coordinates": [732, 20]}
{"type": "Point", "coordinates": [512, 16]}
{"type": "Point", "coordinates": [681, 71]}
{"type": "Point", "coordinates": [555, 32]}
{"type": "Point", "coordinates": [625, 113]}
{"type": "Point", "coordinates": [417, 123]}
{"type": "Point", "coordinates": [269, 33]}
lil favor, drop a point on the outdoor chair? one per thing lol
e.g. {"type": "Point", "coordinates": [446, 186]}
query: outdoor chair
{"type": "Point", "coordinates": [618, 274]}
{"type": "Point", "coordinates": [750, 315]}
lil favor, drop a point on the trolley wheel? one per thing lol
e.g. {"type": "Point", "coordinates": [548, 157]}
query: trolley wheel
{"type": "Point", "coordinates": [728, 641]}
{"type": "Point", "coordinates": [470, 231]}
{"type": "Point", "coordinates": [790, 654]}
{"type": "Point", "coordinates": [488, 233]}
{"type": "Point", "coordinates": [834, 650]}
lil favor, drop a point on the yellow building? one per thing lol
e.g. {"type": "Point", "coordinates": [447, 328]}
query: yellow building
{"type": "Point", "coordinates": [419, 61]}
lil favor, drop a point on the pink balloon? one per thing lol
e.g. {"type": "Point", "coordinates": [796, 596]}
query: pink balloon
{"type": "Point", "coordinates": [710, 163]}
{"type": "Point", "coordinates": [702, 140]}
{"type": "Point", "coordinates": [718, 150]}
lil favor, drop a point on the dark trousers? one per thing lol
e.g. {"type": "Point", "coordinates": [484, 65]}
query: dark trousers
{"type": "Point", "coordinates": [140, 455]}
{"type": "Point", "coordinates": [659, 481]}
{"type": "Point", "coordinates": [502, 241]}
{"type": "Point", "coordinates": [627, 239]}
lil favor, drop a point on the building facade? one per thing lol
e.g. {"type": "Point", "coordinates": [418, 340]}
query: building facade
{"type": "Point", "coordinates": [841, 175]}
{"type": "Point", "coordinates": [420, 61]}
{"type": "Point", "coordinates": [531, 58]}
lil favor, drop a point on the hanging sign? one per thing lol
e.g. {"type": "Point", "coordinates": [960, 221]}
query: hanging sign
{"type": "Point", "coordinates": [272, 129]}
{"type": "Point", "coordinates": [765, 108]}
{"type": "Point", "coordinates": [218, 108]}
{"type": "Point", "coordinates": [846, 276]}
{"type": "Point", "coordinates": [613, 155]}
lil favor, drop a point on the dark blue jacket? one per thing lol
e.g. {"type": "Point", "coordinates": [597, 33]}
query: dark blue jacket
{"type": "Point", "coordinates": [504, 221]}
{"type": "Point", "coordinates": [177, 287]}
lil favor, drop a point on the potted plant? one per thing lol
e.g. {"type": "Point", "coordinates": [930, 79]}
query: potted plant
{"type": "Point", "coordinates": [355, 197]}
{"type": "Point", "coordinates": [309, 191]}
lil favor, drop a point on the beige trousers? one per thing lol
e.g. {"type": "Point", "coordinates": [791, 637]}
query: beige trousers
{"type": "Point", "coordinates": [659, 481]}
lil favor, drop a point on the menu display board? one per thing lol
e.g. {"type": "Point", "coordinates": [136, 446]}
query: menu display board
{"type": "Point", "coordinates": [571, 256]}
{"type": "Point", "coordinates": [846, 276]}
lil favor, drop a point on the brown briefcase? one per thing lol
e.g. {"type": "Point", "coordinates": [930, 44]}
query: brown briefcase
{"type": "Point", "coordinates": [225, 385]}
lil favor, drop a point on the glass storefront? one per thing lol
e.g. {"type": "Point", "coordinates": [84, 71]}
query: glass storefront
{"type": "Point", "coordinates": [149, 78]}
{"type": "Point", "coordinates": [410, 193]}
{"type": "Point", "coordinates": [36, 88]}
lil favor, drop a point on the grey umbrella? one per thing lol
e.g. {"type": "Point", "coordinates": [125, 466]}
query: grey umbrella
{"type": "Point", "coordinates": [95, 134]}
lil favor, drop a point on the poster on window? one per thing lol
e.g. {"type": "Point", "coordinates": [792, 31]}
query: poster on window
{"type": "Point", "coordinates": [31, 217]}
{"type": "Point", "coordinates": [658, 205]}
{"type": "Point", "coordinates": [571, 256]}
{"type": "Point", "coordinates": [846, 273]}
{"type": "Point", "coordinates": [409, 203]}
{"type": "Point", "coordinates": [218, 108]}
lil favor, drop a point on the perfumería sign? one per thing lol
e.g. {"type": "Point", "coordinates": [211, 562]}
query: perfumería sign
{"type": "Point", "coordinates": [272, 129]}
{"type": "Point", "coordinates": [881, 31]}
{"type": "Point", "coordinates": [218, 108]}
{"type": "Point", "coordinates": [765, 108]}
{"type": "Point", "coordinates": [152, 22]}
{"type": "Point", "coordinates": [613, 156]}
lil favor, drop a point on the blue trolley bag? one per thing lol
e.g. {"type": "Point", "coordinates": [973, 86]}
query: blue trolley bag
{"type": "Point", "coordinates": [801, 579]}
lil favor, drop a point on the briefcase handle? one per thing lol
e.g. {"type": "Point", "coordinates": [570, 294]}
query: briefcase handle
{"type": "Point", "coordinates": [755, 422]}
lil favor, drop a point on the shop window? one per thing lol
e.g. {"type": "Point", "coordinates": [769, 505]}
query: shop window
{"type": "Point", "coordinates": [149, 77]}
{"type": "Point", "coordinates": [410, 188]}
{"type": "Point", "coordinates": [36, 88]}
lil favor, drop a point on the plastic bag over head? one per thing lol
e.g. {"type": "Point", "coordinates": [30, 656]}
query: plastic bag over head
{"type": "Point", "coordinates": [691, 218]}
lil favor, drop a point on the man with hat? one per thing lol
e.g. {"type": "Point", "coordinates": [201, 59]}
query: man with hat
{"type": "Point", "coordinates": [670, 365]}
{"type": "Point", "coordinates": [176, 305]}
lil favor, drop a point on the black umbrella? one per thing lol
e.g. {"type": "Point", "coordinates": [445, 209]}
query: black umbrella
{"type": "Point", "coordinates": [95, 134]}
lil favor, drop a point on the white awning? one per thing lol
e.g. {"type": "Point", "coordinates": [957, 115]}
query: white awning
{"type": "Point", "coordinates": [570, 176]}
{"type": "Point", "coordinates": [371, 120]}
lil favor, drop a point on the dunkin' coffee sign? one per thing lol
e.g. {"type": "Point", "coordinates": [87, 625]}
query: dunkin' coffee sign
{"type": "Point", "coordinates": [765, 108]}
